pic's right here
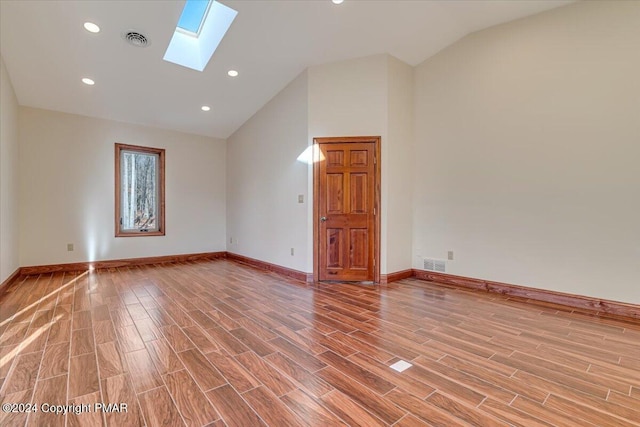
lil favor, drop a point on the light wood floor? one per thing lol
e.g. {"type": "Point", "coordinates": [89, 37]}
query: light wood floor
{"type": "Point", "coordinates": [218, 343]}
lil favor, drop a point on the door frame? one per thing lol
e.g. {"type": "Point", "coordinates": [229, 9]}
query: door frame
{"type": "Point", "coordinates": [376, 140]}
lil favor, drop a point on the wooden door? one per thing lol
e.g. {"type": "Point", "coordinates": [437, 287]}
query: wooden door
{"type": "Point", "coordinates": [346, 200]}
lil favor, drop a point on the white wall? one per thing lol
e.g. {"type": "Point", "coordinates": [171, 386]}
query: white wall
{"type": "Point", "coordinates": [528, 152]}
{"type": "Point", "coordinates": [397, 170]}
{"type": "Point", "coordinates": [9, 243]}
{"type": "Point", "coordinates": [349, 98]}
{"type": "Point", "coordinates": [264, 218]}
{"type": "Point", "coordinates": [67, 190]}
{"type": "Point", "coordinates": [372, 96]}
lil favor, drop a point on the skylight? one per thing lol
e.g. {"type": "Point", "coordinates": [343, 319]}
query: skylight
{"type": "Point", "coordinates": [200, 30]}
{"type": "Point", "coordinates": [193, 15]}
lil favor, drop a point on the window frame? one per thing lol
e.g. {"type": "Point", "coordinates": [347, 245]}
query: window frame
{"type": "Point", "coordinates": [160, 152]}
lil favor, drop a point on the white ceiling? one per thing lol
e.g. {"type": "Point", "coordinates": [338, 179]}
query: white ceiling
{"type": "Point", "coordinates": [47, 52]}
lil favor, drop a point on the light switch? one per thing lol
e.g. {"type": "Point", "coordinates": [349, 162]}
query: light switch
{"type": "Point", "coordinates": [300, 198]}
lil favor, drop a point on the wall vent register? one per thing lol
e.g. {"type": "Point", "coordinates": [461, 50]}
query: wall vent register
{"type": "Point", "coordinates": [435, 265]}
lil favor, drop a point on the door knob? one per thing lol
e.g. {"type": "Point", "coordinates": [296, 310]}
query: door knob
{"type": "Point", "coordinates": [323, 219]}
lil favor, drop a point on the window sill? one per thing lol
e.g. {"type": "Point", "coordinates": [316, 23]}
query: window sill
{"type": "Point", "coordinates": [140, 233]}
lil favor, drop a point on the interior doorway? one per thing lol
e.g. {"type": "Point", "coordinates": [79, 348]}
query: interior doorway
{"type": "Point", "coordinates": [346, 205]}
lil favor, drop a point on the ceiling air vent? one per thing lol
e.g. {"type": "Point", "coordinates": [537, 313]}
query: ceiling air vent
{"type": "Point", "coordinates": [134, 38]}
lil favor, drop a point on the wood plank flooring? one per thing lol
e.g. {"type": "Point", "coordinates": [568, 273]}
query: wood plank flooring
{"type": "Point", "coordinates": [215, 343]}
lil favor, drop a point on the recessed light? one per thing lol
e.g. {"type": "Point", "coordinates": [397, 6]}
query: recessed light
{"type": "Point", "coordinates": [88, 81]}
{"type": "Point", "coordinates": [232, 73]}
{"type": "Point", "coordinates": [337, 1]}
{"type": "Point", "coordinates": [205, 108]}
{"type": "Point", "coordinates": [91, 27]}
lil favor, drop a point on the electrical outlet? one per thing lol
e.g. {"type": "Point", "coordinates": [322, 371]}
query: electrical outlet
{"type": "Point", "coordinates": [69, 247]}
{"type": "Point", "coordinates": [450, 255]}
{"type": "Point", "coordinates": [292, 251]}
{"type": "Point", "coordinates": [300, 198]}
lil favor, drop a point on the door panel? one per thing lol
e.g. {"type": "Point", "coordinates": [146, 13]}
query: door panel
{"type": "Point", "coordinates": [335, 248]}
{"type": "Point", "coordinates": [346, 227]}
{"type": "Point", "coordinates": [359, 158]}
{"type": "Point", "coordinates": [334, 194]}
{"type": "Point", "coordinates": [358, 193]}
{"type": "Point", "coordinates": [359, 243]}
{"type": "Point", "coordinates": [335, 157]}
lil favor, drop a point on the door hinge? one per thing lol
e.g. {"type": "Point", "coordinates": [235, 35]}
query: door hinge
{"type": "Point", "coordinates": [375, 159]}
{"type": "Point", "coordinates": [374, 211]}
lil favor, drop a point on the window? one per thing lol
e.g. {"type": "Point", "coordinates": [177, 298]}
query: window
{"type": "Point", "coordinates": [139, 191]}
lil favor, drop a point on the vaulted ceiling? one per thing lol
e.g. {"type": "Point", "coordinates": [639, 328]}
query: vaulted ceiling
{"type": "Point", "coordinates": [47, 51]}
